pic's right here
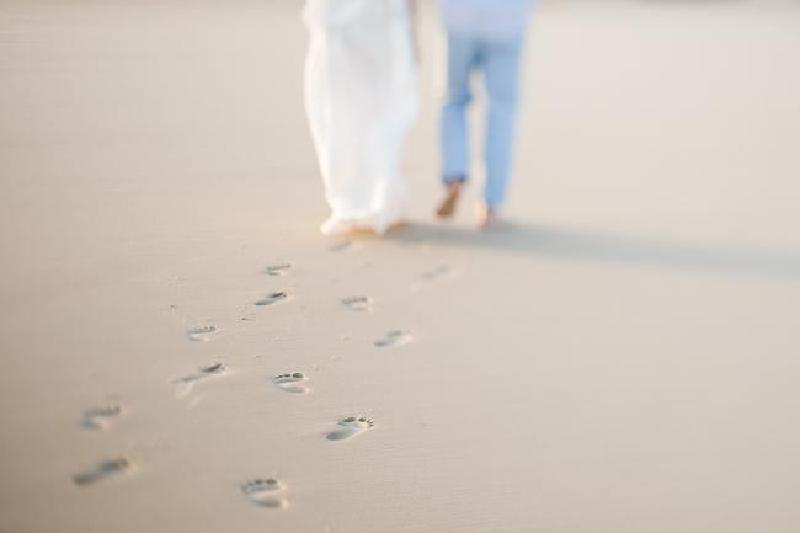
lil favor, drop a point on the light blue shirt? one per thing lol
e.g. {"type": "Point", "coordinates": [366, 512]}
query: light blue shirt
{"type": "Point", "coordinates": [487, 18]}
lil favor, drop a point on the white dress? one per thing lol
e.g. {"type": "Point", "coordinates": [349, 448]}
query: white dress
{"type": "Point", "coordinates": [361, 100]}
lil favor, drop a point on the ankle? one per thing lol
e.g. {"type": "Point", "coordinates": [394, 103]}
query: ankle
{"type": "Point", "coordinates": [454, 187]}
{"type": "Point", "coordinates": [454, 182]}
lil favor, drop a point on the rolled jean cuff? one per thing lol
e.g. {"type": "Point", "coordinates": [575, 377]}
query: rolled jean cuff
{"type": "Point", "coordinates": [447, 180]}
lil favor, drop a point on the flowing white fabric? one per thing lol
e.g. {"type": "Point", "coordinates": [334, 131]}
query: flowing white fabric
{"type": "Point", "coordinates": [361, 100]}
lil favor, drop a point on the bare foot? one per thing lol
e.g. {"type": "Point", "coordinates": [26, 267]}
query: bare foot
{"type": "Point", "coordinates": [447, 208]}
{"type": "Point", "coordinates": [489, 218]}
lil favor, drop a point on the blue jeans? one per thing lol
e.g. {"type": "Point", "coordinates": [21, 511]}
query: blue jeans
{"type": "Point", "coordinates": [500, 62]}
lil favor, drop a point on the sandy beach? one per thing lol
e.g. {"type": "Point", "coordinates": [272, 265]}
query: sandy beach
{"type": "Point", "coordinates": [624, 359]}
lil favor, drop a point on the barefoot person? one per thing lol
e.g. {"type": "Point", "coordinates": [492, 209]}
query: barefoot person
{"type": "Point", "coordinates": [485, 35]}
{"type": "Point", "coordinates": [361, 100]}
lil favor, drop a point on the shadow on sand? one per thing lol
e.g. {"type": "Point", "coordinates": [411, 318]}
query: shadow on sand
{"type": "Point", "coordinates": [584, 245]}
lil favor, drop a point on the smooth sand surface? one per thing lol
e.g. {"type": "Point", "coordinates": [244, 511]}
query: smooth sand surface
{"type": "Point", "coordinates": [624, 360]}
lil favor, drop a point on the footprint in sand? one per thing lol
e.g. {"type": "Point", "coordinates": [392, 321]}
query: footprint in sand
{"type": "Point", "coordinates": [341, 246]}
{"type": "Point", "coordinates": [358, 303]}
{"type": "Point", "coordinates": [437, 273]}
{"type": "Point", "coordinates": [272, 299]}
{"type": "Point", "coordinates": [202, 333]}
{"type": "Point", "coordinates": [104, 470]}
{"type": "Point", "coordinates": [293, 382]}
{"type": "Point", "coordinates": [265, 492]}
{"type": "Point", "coordinates": [350, 427]}
{"type": "Point", "coordinates": [187, 382]}
{"type": "Point", "coordinates": [278, 270]}
{"type": "Point", "coordinates": [432, 276]}
{"type": "Point", "coordinates": [394, 338]}
{"type": "Point", "coordinates": [100, 417]}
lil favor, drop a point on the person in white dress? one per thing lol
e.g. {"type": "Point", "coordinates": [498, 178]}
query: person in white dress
{"type": "Point", "coordinates": [361, 100]}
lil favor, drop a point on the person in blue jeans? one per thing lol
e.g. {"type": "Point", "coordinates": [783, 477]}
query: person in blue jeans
{"type": "Point", "coordinates": [486, 36]}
